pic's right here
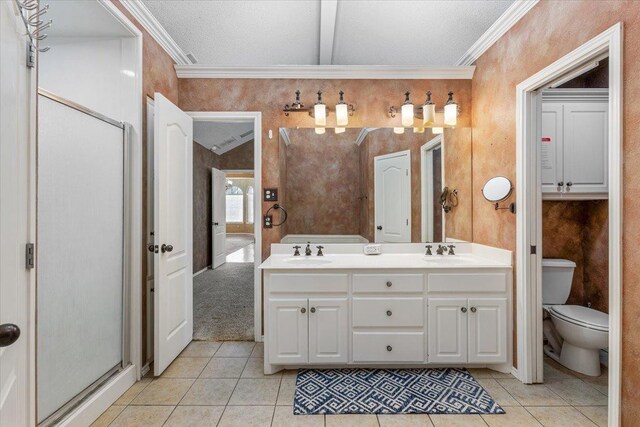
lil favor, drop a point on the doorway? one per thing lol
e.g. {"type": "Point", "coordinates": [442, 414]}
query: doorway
{"type": "Point", "coordinates": [392, 189]}
{"type": "Point", "coordinates": [530, 160]}
{"type": "Point", "coordinates": [432, 177]}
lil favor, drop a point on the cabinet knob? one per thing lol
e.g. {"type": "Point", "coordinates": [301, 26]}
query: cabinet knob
{"type": "Point", "coordinates": [569, 184]}
{"type": "Point", "coordinates": [561, 183]}
{"type": "Point", "coordinates": [463, 309]}
{"type": "Point", "coordinates": [303, 310]}
{"type": "Point", "coordinates": [473, 309]}
{"type": "Point", "coordinates": [389, 348]}
{"type": "Point", "coordinates": [313, 309]}
{"type": "Point", "coordinates": [389, 284]}
{"type": "Point", "coordinates": [389, 313]}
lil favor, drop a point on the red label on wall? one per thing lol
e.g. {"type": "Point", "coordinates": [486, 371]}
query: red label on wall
{"type": "Point", "coordinates": [546, 140]}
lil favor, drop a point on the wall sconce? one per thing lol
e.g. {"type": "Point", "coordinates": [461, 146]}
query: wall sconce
{"type": "Point", "coordinates": [320, 111]}
{"type": "Point", "coordinates": [450, 111]}
{"type": "Point", "coordinates": [418, 130]}
{"type": "Point", "coordinates": [428, 111]}
{"type": "Point", "coordinates": [398, 131]}
{"type": "Point", "coordinates": [342, 111]}
{"type": "Point", "coordinates": [407, 111]}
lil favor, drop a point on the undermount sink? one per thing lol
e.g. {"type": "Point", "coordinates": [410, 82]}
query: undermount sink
{"type": "Point", "coordinates": [308, 261]}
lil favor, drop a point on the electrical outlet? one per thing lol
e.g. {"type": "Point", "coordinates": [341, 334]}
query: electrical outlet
{"type": "Point", "coordinates": [270, 194]}
{"type": "Point", "coordinates": [268, 221]}
{"type": "Point", "coordinates": [372, 249]}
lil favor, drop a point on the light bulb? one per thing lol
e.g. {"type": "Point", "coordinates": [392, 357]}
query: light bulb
{"type": "Point", "coordinates": [450, 111]}
{"type": "Point", "coordinates": [320, 111]}
{"type": "Point", "coordinates": [342, 112]}
{"type": "Point", "coordinates": [437, 131]}
{"type": "Point", "coordinates": [407, 111]}
{"type": "Point", "coordinates": [339, 130]}
{"type": "Point", "coordinates": [428, 111]}
{"type": "Point", "coordinates": [398, 131]}
{"type": "Point", "coordinates": [320, 131]}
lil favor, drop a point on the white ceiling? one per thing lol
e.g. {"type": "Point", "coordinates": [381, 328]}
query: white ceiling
{"type": "Point", "coordinates": [351, 32]}
{"type": "Point", "coordinates": [222, 137]}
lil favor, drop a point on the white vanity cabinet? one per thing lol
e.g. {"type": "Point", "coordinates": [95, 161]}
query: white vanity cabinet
{"type": "Point", "coordinates": [573, 144]}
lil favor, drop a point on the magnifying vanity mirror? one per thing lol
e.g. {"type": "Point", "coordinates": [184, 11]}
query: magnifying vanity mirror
{"type": "Point", "coordinates": [498, 189]}
{"type": "Point", "coordinates": [361, 185]}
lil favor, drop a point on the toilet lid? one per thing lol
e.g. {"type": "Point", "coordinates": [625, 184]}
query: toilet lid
{"type": "Point", "coordinates": [580, 315]}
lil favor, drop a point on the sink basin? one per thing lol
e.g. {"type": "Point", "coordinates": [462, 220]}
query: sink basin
{"type": "Point", "coordinates": [307, 261]}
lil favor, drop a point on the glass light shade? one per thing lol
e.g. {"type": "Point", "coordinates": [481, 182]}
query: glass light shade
{"type": "Point", "coordinates": [320, 131]}
{"type": "Point", "coordinates": [437, 131]}
{"type": "Point", "coordinates": [342, 115]}
{"type": "Point", "coordinates": [399, 131]}
{"type": "Point", "coordinates": [320, 113]}
{"type": "Point", "coordinates": [407, 115]}
{"type": "Point", "coordinates": [340, 130]}
{"type": "Point", "coordinates": [429, 114]}
{"type": "Point", "coordinates": [418, 130]}
{"type": "Point", "coordinates": [451, 114]}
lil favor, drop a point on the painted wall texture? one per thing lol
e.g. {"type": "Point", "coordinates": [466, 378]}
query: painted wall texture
{"type": "Point", "coordinates": [240, 158]}
{"type": "Point", "coordinates": [578, 231]}
{"type": "Point", "coordinates": [548, 32]}
{"type": "Point", "coordinates": [371, 97]}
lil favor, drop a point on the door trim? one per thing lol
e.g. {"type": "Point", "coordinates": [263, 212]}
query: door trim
{"type": "Point", "coordinates": [426, 187]}
{"type": "Point", "coordinates": [528, 193]}
{"type": "Point", "coordinates": [254, 117]}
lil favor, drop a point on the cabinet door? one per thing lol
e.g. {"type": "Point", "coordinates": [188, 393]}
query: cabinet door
{"type": "Point", "coordinates": [487, 330]}
{"type": "Point", "coordinates": [551, 148]}
{"type": "Point", "coordinates": [447, 330]}
{"type": "Point", "coordinates": [328, 330]}
{"type": "Point", "coordinates": [585, 147]}
{"type": "Point", "coordinates": [288, 331]}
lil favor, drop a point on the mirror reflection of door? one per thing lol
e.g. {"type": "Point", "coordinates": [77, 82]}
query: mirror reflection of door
{"type": "Point", "coordinates": [392, 206]}
{"type": "Point", "coordinates": [431, 159]}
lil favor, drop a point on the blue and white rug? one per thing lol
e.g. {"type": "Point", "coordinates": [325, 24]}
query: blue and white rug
{"type": "Point", "coordinates": [391, 391]}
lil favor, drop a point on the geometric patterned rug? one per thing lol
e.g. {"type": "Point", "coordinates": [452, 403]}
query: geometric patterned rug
{"type": "Point", "coordinates": [391, 391]}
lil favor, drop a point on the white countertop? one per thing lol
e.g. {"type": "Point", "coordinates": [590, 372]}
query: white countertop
{"type": "Point", "coordinates": [383, 261]}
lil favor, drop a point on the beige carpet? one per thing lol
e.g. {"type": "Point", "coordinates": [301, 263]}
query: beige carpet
{"type": "Point", "coordinates": [223, 303]}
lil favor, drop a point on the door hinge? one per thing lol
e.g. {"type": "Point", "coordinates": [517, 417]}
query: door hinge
{"type": "Point", "coordinates": [407, 221]}
{"type": "Point", "coordinates": [30, 257]}
{"type": "Point", "coordinates": [534, 249]}
{"type": "Point", "coordinates": [31, 55]}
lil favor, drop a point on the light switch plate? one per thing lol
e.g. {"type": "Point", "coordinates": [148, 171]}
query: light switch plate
{"type": "Point", "coordinates": [270, 194]}
{"type": "Point", "coordinates": [372, 249]}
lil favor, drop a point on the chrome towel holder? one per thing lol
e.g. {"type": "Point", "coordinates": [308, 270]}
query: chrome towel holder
{"type": "Point", "coordinates": [32, 15]}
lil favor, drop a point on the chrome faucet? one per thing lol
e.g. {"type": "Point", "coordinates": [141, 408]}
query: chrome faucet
{"type": "Point", "coordinates": [320, 250]}
{"type": "Point", "coordinates": [428, 250]}
{"type": "Point", "coordinates": [441, 250]}
{"type": "Point", "coordinates": [307, 251]}
{"type": "Point", "coordinates": [451, 248]}
{"type": "Point", "coordinates": [297, 250]}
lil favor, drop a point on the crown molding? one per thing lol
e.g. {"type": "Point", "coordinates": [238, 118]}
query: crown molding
{"type": "Point", "coordinates": [325, 72]}
{"type": "Point", "coordinates": [508, 19]}
{"type": "Point", "coordinates": [143, 15]}
{"type": "Point", "coordinates": [363, 135]}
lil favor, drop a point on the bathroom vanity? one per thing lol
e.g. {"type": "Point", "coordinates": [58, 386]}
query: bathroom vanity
{"type": "Point", "coordinates": [399, 308]}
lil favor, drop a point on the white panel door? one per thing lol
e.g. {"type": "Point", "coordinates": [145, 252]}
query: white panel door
{"type": "Point", "coordinates": [288, 331]}
{"type": "Point", "coordinates": [487, 330]}
{"type": "Point", "coordinates": [328, 330]}
{"type": "Point", "coordinates": [447, 330]}
{"type": "Point", "coordinates": [219, 214]}
{"type": "Point", "coordinates": [551, 148]}
{"type": "Point", "coordinates": [392, 190]}
{"type": "Point", "coordinates": [585, 147]}
{"type": "Point", "coordinates": [16, 95]}
{"type": "Point", "coordinates": [173, 198]}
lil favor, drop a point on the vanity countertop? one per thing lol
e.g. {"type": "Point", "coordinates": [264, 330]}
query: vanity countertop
{"type": "Point", "coordinates": [382, 261]}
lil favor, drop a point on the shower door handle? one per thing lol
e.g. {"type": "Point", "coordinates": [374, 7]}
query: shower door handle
{"type": "Point", "coordinates": [9, 333]}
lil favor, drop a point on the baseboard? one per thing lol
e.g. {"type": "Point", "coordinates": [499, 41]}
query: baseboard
{"type": "Point", "coordinates": [101, 400]}
{"type": "Point", "coordinates": [201, 271]}
{"type": "Point", "coordinates": [514, 372]}
{"type": "Point", "coordinates": [145, 369]}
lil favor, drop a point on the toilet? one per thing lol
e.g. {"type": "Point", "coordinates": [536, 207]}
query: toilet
{"type": "Point", "coordinates": [575, 334]}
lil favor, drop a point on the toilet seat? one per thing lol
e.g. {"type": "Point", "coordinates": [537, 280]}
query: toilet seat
{"type": "Point", "coordinates": [581, 316]}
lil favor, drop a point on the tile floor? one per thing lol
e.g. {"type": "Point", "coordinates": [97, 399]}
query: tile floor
{"type": "Point", "coordinates": [221, 384]}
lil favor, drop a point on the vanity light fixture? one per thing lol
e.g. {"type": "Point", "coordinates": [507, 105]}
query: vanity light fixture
{"type": "Point", "coordinates": [437, 131]}
{"type": "Point", "coordinates": [340, 130]}
{"type": "Point", "coordinates": [398, 131]}
{"type": "Point", "coordinates": [428, 111]}
{"type": "Point", "coordinates": [407, 111]}
{"type": "Point", "coordinates": [418, 130]}
{"type": "Point", "coordinates": [450, 111]}
{"type": "Point", "coordinates": [320, 131]}
{"type": "Point", "coordinates": [342, 111]}
{"type": "Point", "coordinates": [320, 111]}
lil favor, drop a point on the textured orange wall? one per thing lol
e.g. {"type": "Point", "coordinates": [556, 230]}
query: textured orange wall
{"type": "Point", "coordinates": [548, 32]}
{"type": "Point", "coordinates": [371, 97]}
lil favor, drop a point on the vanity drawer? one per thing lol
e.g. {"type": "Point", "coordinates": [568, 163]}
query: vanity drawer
{"type": "Point", "coordinates": [388, 283]}
{"type": "Point", "coordinates": [388, 312]}
{"type": "Point", "coordinates": [467, 282]}
{"type": "Point", "coordinates": [308, 282]}
{"type": "Point", "coordinates": [388, 347]}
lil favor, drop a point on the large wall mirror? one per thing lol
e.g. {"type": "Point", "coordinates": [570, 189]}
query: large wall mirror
{"type": "Point", "coordinates": [375, 185]}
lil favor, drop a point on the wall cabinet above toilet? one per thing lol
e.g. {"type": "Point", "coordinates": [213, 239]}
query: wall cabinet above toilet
{"type": "Point", "coordinates": [573, 144]}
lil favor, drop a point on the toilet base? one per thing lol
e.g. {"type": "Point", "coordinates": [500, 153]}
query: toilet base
{"type": "Point", "coordinates": [582, 360]}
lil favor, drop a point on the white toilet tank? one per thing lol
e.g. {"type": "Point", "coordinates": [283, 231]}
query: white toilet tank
{"type": "Point", "coordinates": [557, 275]}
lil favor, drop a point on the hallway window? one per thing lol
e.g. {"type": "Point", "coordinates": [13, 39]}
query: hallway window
{"type": "Point", "coordinates": [250, 205]}
{"type": "Point", "coordinates": [235, 204]}
{"type": "Point", "coordinates": [240, 203]}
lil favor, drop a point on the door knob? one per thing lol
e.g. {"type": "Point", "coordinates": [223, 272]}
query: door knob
{"type": "Point", "coordinates": [313, 309]}
{"type": "Point", "coordinates": [473, 309]}
{"type": "Point", "coordinates": [463, 309]}
{"type": "Point", "coordinates": [9, 333]}
{"type": "Point", "coordinates": [379, 227]}
{"type": "Point", "coordinates": [166, 248]}
{"type": "Point", "coordinates": [303, 310]}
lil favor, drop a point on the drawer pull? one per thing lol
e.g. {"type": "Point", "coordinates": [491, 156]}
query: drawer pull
{"type": "Point", "coordinates": [303, 310]}
{"type": "Point", "coordinates": [389, 348]}
{"type": "Point", "coordinates": [473, 309]}
{"type": "Point", "coordinates": [463, 309]}
{"type": "Point", "coordinates": [389, 284]}
{"type": "Point", "coordinates": [313, 309]}
{"type": "Point", "coordinates": [389, 313]}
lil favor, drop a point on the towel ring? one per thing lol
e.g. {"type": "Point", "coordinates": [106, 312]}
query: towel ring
{"type": "Point", "coordinates": [277, 206]}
